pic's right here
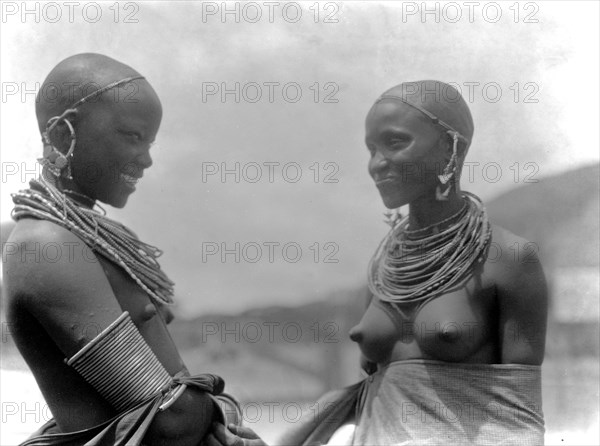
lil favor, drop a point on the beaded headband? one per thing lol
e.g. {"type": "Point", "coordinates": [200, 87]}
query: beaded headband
{"type": "Point", "coordinates": [105, 88]}
{"type": "Point", "coordinates": [52, 122]}
{"type": "Point", "coordinates": [454, 133]}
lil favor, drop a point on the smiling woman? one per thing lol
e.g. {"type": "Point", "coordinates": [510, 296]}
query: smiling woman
{"type": "Point", "coordinates": [92, 326]}
{"type": "Point", "coordinates": [116, 124]}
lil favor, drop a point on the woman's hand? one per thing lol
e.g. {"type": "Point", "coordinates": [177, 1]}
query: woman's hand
{"type": "Point", "coordinates": [233, 436]}
{"type": "Point", "coordinates": [368, 367]}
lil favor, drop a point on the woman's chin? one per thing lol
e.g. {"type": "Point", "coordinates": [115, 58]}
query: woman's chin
{"type": "Point", "coordinates": [120, 202]}
{"type": "Point", "coordinates": [395, 199]}
{"type": "Point", "coordinates": [392, 202]}
{"type": "Point", "coordinates": [117, 201]}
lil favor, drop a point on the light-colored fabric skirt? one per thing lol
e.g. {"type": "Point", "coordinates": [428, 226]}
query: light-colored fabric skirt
{"type": "Point", "coordinates": [426, 402]}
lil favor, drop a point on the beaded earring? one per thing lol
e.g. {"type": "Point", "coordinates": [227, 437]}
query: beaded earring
{"type": "Point", "coordinates": [54, 159]}
{"type": "Point", "coordinates": [448, 175]}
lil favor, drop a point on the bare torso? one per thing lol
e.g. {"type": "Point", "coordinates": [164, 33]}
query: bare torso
{"type": "Point", "coordinates": [477, 322]}
{"type": "Point", "coordinates": [55, 307]}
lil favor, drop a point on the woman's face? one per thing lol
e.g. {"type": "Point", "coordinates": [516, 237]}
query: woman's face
{"type": "Point", "coordinates": [113, 143]}
{"type": "Point", "coordinates": [408, 152]}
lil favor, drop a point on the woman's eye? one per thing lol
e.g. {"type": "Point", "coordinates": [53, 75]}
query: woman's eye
{"type": "Point", "coordinates": [133, 136]}
{"type": "Point", "coordinates": [394, 142]}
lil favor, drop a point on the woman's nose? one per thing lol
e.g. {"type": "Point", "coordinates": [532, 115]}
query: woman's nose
{"type": "Point", "coordinates": [356, 334]}
{"type": "Point", "coordinates": [378, 163]}
{"type": "Point", "coordinates": [145, 160]}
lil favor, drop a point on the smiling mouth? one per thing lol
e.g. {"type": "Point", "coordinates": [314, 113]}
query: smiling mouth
{"type": "Point", "coordinates": [132, 181]}
{"type": "Point", "coordinates": [384, 181]}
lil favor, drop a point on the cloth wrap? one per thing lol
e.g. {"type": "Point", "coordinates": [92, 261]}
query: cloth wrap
{"type": "Point", "coordinates": [426, 402]}
{"type": "Point", "coordinates": [421, 402]}
{"type": "Point", "coordinates": [129, 427]}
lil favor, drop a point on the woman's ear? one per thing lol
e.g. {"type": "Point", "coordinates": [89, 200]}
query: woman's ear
{"type": "Point", "coordinates": [61, 137]}
{"type": "Point", "coordinates": [446, 146]}
{"type": "Point", "coordinates": [63, 133]}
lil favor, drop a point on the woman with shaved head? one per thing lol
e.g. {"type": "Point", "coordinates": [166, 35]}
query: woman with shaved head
{"type": "Point", "coordinates": [455, 330]}
{"type": "Point", "coordinates": [453, 336]}
{"type": "Point", "coordinates": [92, 323]}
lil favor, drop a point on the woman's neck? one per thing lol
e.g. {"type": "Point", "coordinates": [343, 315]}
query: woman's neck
{"type": "Point", "coordinates": [75, 193]}
{"type": "Point", "coordinates": [427, 211]}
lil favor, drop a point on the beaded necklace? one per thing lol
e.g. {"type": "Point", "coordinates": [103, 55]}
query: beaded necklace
{"type": "Point", "coordinates": [415, 267]}
{"type": "Point", "coordinates": [113, 240]}
{"type": "Point", "coordinates": [83, 199]}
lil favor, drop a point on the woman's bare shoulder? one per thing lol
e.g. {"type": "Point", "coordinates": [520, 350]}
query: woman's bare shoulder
{"type": "Point", "coordinates": [41, 256]}
{"type": "Point", "coordinates": [510, 250]}
{"type": "Point", "coordinates": [504, 237]}
{"type": "Point", "coordinates": [32, 230]}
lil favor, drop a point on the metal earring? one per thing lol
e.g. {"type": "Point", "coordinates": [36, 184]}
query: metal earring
{"type": "Point", "coordinates": [449, 172]}
{"type": "Point", "coordinates": [54, 159]}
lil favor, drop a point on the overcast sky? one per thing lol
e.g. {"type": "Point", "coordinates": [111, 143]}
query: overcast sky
{"type": "Point", "coordinates": [296, 135]}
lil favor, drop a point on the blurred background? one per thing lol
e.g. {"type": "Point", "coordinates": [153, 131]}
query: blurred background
{"type": "Point", "coordinates": [259, 193]}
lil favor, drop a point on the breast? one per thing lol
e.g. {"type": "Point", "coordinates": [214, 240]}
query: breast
{"type": "Point", "coordinates": [455, 326]}
{"type": "Point", "coordinates": [376, 334]}
{"type": "Point", "coordinates": [145, 315]}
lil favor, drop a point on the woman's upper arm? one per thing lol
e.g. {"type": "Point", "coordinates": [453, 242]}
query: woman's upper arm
{"type": "Point", "coordinates": [523, 303]}
{"type": "Point", "coordinates": [56, 278]}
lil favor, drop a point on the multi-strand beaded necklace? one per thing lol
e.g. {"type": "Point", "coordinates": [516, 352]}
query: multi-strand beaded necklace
{"type": "Point", "coordinates": [113, 240]}
{"type": "Point", "coordinates": [414, 266]}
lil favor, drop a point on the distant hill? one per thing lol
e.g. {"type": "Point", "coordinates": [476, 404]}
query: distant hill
{"type": "Point", "coordinates": [307, 345]}
{"type": "Point", "coordinates": [559, 213]}
{"type": "Point", "coordinates": [341, 308]}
